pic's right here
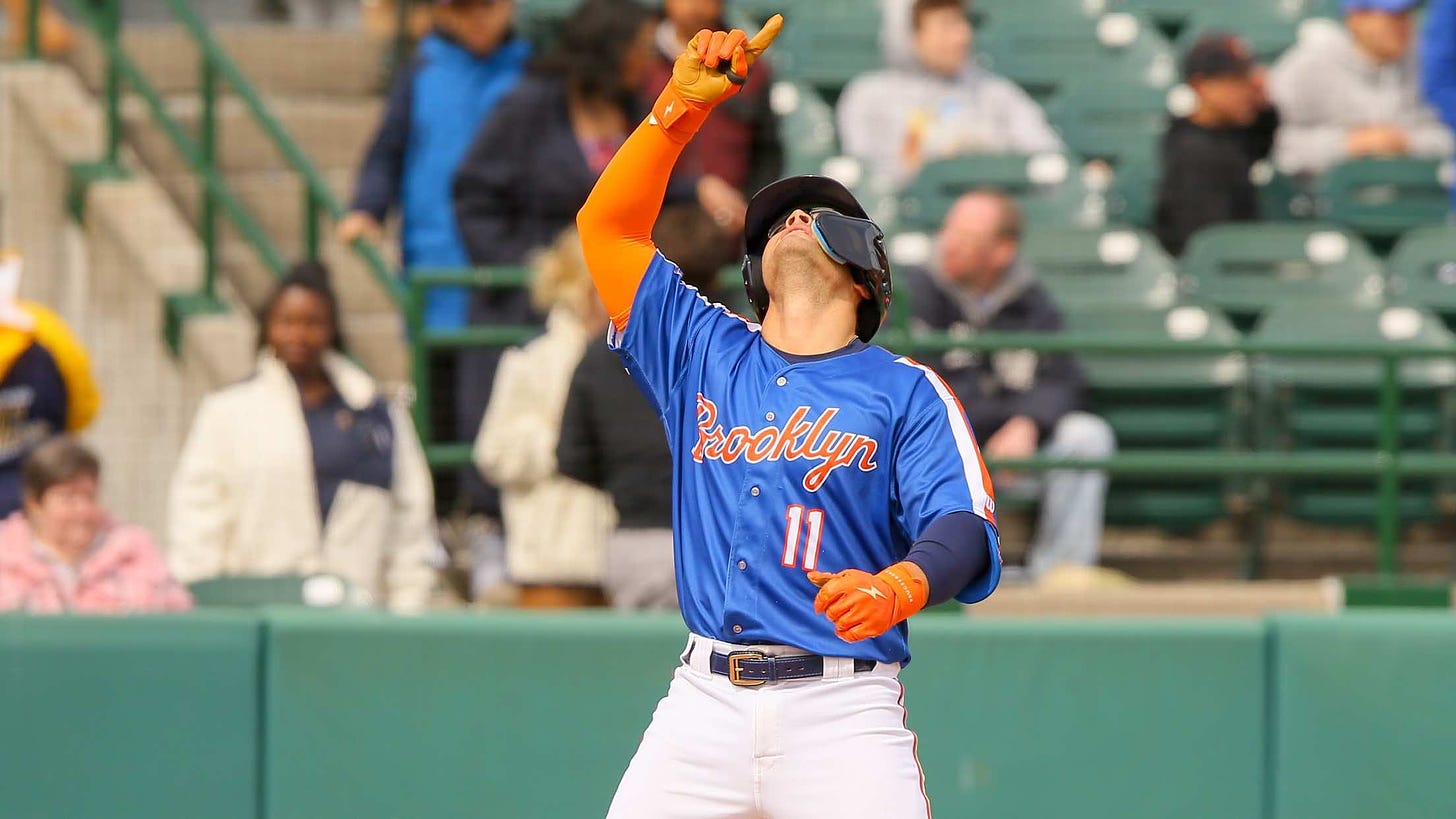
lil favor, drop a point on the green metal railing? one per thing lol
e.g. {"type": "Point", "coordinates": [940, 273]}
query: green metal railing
{"type": "Point", "coordinates": [215, 68]}
{"type": "Point", "coordinates": [1387, 463]}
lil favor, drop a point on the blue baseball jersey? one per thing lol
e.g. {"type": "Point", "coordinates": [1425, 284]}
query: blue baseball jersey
{"type": "Point", "coordinates": [782, 465]}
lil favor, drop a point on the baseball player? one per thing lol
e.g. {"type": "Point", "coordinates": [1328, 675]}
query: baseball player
{"type": "Point", "coordinates": [803, 457]}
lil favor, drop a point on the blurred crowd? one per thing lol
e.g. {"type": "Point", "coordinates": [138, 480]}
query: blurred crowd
{"type": "Point", "coordinates": [486, 150]}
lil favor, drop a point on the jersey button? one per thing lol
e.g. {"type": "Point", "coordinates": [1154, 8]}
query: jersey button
{"type": "Point", "coordinates": [768, 417]}
{"type": "Point", "coordinates": [753, 491]}
{"type": "Point", "coordinates": [738, 629]}
{"type": "Point", "coordinates": [782, 381]}
{"type": "Point", "coordinates": [743, 565]}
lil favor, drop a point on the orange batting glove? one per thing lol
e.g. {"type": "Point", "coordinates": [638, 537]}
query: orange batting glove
{"type": "Point", "coordinates": [701, 76]}
{"type": "Point", "coordinates": [863, 605]}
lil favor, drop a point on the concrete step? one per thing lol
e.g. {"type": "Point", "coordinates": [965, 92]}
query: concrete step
{"type": "Point", "coordinates": [334, 133]}
{"type": "Point", "coordinates": [359, 292]}
{"type": "Point", "coordinates": [279, 60]}
{"type": "Point", "coordinates": [274, 198]}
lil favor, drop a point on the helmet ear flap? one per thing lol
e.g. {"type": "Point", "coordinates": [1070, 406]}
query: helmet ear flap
{"type": "Point", "coordinates": [754, 286]}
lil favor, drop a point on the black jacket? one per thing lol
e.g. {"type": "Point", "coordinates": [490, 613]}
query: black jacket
{"type": "Point", "coordinates": [994, 387]}
{"type": "Point", "coordinates": [1206, 177]}
{"type": "Point", "coordinates": [612, 439]}
{"type": "Point", "coordinates": [525, 177]}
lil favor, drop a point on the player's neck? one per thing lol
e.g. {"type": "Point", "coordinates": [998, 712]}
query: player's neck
{"type": "Point", "coordinates": [799, 328]}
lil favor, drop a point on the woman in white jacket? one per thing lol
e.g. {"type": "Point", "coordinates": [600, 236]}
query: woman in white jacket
{"type": "Point", "coordinates": [305, 467]}
{"type": "Point", "coordinates": [556, 528]}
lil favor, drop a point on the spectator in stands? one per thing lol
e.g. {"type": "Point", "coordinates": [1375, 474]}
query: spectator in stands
{"type": "Point", "coordinates": [1208, 155]}
{"type": "Point", "coordinates": [305, 468]}
{"type": "Point", "coordinates": [46, 387]}
{"type": "Point", "coordinates": [740, 143]}
{"type": "Point", "coordinates": [1353, 92]}
{"type": "Point", "coordinates": [461, 71]}
{"type": "Point", "coordinates": [64, 553]}
{"type": "Point", "coordinates": [1438, 63]}
{"type": "Point", "coordinates": [535, 160]}
{"type": "Point", "coordinates": [556, 528]}
{"type": "Point", "coordinates": [611, 437]}
{"type": "Point", "coordinates": [896, 120]}
{"type": "Point", "coordinates": [1019, 403]}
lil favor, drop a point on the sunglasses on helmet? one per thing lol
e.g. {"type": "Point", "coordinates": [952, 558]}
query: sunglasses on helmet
{"type": "Point", "coordinates": [846, 239]}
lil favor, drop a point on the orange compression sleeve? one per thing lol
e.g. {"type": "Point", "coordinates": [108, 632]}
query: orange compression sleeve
{"type": "Point", "coordinates": [616, 221]}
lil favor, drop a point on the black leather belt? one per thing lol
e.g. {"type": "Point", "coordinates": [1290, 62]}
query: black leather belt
{"type": "Point", "coordinates": [751, 668]}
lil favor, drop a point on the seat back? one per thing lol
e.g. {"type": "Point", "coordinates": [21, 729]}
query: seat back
{"type": "Point", "coordinates": [806, 126]}
{"type": "Point", "coordinates": [1384, 197]}
{"type": "Point", "coordinates": [1165, 402]}
{"type": "Point", "coordinates": [1423, 269]}
{"type": "Point", "coordinates": [1044, 185]}
{"type": "Point", "coordinates": [316, 591]}
{"type": "Point", "coordinates": [1247, 268]}
{"type": "Point", "coordinates": [1101, 121]}
{"type": "Point", "coordinates": [1044, 54]}
{"type": "Point", "coordinates": [1102, 268]}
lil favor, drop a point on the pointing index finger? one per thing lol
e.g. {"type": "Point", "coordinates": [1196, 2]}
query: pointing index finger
{"type": "Point", "coordinates": [766, 35]}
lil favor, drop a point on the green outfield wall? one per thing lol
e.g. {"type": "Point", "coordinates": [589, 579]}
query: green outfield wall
{"type": "Point", "coordinates": [302, 715]}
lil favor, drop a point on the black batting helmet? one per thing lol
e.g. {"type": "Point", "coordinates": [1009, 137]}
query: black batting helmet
{"type": "Point", "coordinates": [863, 251]}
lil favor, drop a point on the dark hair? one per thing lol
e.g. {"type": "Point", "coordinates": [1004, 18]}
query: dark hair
{"type": "Point", "coordinates": [1009, 225]}
{"type": "Point", "coordinates": [589, 51]}
{"type": "Point", "coordinates": [310, 275]}
{"type": "Point", "coordinates": [923, 7]}
{"type": "Point", "coordinates": [56, 461]}
{"type": "Point", "coordinates": [688, 236]}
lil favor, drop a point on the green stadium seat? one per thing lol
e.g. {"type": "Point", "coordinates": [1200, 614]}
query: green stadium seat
{"type": "Point", "coordinates": [1173, 402]}
{"type": "Point", "coordinates": [1268, 31]}
{"type": "Point", "coordinates": [540, 20]}
{"type": "Point", "coordinates": [1048, 187]}
{"type": "Point", "coordinates": [1283, 196]}
{"type": "Point", "coordinates": [806, 126]}
{"type": "Point", "coordinates": [1101, 121]}
{"type": "Point", "coordinates": [840, 42]}
{"type": "Point", "coordinates": [1381, 198]}
{"type": "Point", "coordinates": [991, 12]}
{"type": "Point", "coordinates": [1324, 405]}
{"type": "Point", "coordinates": [1247, 268]}
{"type": "Point", "coordinates": [1133, 196]}
{"type": "Point", "coordinates": [1102, 268]}
{"type": "Point", "coordinates": [1423, 270]}
{"type": "Point", "coordinates": [318, 591]}
{"type": "Point", "coordinates": [1181, 15]}
{"type": "Point", "coordinates": [1044, 54]}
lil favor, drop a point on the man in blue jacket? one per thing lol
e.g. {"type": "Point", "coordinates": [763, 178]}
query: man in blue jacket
{"type": "Point", "coordinates": [461, 70]}
{"type": "Point", "coordinates": [1438, 63]}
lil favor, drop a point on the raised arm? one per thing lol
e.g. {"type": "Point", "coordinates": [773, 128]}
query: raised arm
{"type": "Point", "coordinates": [616, 222]}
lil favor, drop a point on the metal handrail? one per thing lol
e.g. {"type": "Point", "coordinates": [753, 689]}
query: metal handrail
{"type": "Point", "coordinates": [1387, 462]}
{"type": "Point", "coordinates": [103, 17]}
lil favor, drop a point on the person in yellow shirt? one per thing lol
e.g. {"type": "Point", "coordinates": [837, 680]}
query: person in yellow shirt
{"type": "Point", "coordinates": [46, 386]}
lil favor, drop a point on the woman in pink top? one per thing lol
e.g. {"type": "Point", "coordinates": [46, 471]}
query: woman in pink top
{"type": "Point", "coordinates": [63, 553]}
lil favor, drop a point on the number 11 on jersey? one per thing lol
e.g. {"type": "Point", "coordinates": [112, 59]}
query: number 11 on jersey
{"type": "Point", "coordinates": [795, 518]}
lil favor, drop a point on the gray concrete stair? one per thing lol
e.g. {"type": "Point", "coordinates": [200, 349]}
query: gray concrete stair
{"type": "Point", "coordinates": [274, 198]}
{"type": "Point", "coordinates": [325, 89]}
{"type": "Point", "coordinates": [279, 60]}
{"type": "Point", "coordinates": [334, 133]}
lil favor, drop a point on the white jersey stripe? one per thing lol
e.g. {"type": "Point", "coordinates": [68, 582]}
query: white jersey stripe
{"type": "Point", "coordinates": [965, 440]}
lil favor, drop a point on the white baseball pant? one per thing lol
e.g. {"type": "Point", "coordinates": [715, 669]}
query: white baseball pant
{"type": "Point", "coordinates": [836, 746]}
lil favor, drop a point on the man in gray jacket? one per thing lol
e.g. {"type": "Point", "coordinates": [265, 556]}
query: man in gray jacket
{"type": "Point", "coordinates": [1353, 91]}
{"type": "Point", "coordinates": [895, 120]}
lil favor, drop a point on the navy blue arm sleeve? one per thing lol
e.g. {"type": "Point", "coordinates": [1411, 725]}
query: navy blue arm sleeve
{"type": "Point", "coordinates": [953, 551]}
{"type": "Point", "coordinates": [381, 175]}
